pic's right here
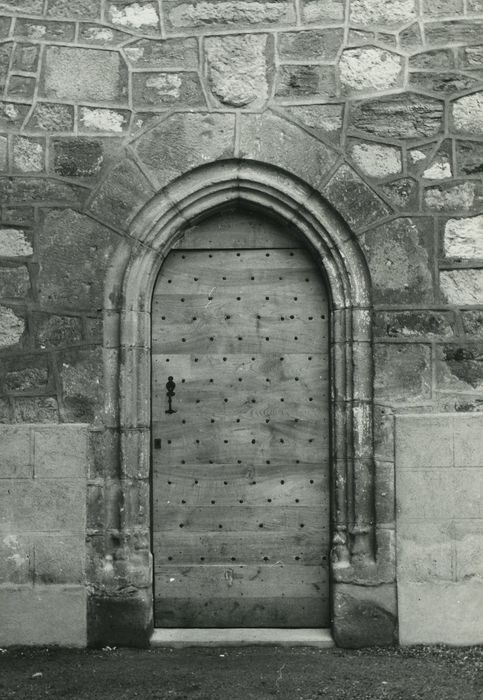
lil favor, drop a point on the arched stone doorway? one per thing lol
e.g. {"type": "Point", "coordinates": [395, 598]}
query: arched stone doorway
{"type": "Point", "coordinates": [359, 566]}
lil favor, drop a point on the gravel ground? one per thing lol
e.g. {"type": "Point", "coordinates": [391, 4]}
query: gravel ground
{"type": "Point", "coordinates": [432, 673]}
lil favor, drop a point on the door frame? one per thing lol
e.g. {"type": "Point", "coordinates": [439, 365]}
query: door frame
{"type": "Point", "coordinates": [358, 556]}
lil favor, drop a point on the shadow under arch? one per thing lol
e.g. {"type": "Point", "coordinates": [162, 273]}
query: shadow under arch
{"type": "Point", "coordinates": [154, 231]}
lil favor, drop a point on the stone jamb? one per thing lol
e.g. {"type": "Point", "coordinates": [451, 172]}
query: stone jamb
{"type": "Point", "coordinates": [156, 228]}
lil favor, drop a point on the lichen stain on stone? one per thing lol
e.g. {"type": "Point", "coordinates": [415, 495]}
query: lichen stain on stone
{"type": "Point", "coordinates": [135, 16]}
{"type": "Point", "coordinates": [237, 68]}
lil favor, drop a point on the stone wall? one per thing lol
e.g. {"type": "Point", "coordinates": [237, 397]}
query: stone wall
{"type": "Point", "coordinates": [376, 104]}
{"type": "Point", "coordinates": [43, 480]}
{"type": "Point", "coordinates": [439, 486]}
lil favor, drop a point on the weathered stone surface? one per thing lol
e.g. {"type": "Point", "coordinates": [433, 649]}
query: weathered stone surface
{"type": "Point", "coordinates": [463, 238]}
{"type": "Point", "coordinates": [454, 31]}
{"type": "Point", "coordinates": [399, 256]}
{"type": "Point", "coordinates": [32, 189]}
{"type": "Point", "coordinates": [471, 56]}
{"type": "Point", "coordinates": [443, 7]}
{"type": "Point", "coordinates": [14, 243]}
{"type": "Point", "coordinates": [445, 83]}
{"type": "Point", "coordinates": [437, 59]}
{"type": "Point", "coordinates": [461, 367]}
{"type": "Point", "coordinates": [19, 216]}
{"type": "Point", "coordinates": [271, 139]}
{"type": "Point", "coordinates": [121, 195]}
{"type": "Point", "coordinates": [473, 323]}
{"type": "Point", "coordinates": [16, 560]}
{"type": "Point", "coordinates": [238, 69]}
{"type": "Point", "coordinates": [312, 44]}
{"type": "Point", "coordinates": [111, 121]}
{"type": "Point", "coordinates": [184, 141]}
{"type": "Point", "coordinates": [323, 120]}
{"type": "Point", "coordinates": [370, 68]}
{"type": "Point", "coordinates": [14, 282]}
{"type": "Point", "coordinates": [53, 31]}
{"type": "Point", "coordinates": [81, 373]}
{"type": "Point", "coordinates": [323, 10]}
{"type": "Point", "coordinates": [475, 6]}
{"type": "Point", "coordinates": [167, 89]}
{"type": "Point", "coordinates": [451, 197]}
{"type": "Point", "coordinates": [24, 380]}
{"type": "Point", "coordinates": [376, 159]}
{"type": "Point", "coordinates": [469, 157]}
{"type": "Point", "coordinates": [39, 409]}
{"type": "Point", "coordinates": [440, 166]}
{"type": "Point", "coordinates": [353, 199]}
{"type": "Point", "coordinates": [414, 324]}
{"type": "Point", "coordinates": [142, 16]}
{"type": "Point", "coordinates": [385, 12]}
{"type": "Point", "coordinates": [411, 38]}
{"type": "Point", "coordinates": [462, 287]}
{"type": "Point", "coordinates": [75, 252]}
{"type": "Point", "coordinates": [83, 74]}
{"type": "Point", "coordinates": [302, 81]}
{"type": "Point", "coordinates": [402, 372]}
{"type": "Point", "coordinates": [3, 152]}
{"type": "Point", "coordinates": [468, 113]}
{"type": "Point", "coordinates": [11, 327]}
{"type": "Point", "coordinates": [12, 114]}
{"type": "Point", "coordinates": [181, 14]}
{"type": "Point", "coordinates": [59, 558]}
{"type": "Point", "coordinates": [77, 157]}
{"type": "Point", "coordinates": [28, 155]}
{"type": "Point", "coordinates": [402, 194]}
{"type": "Point", "coordinates": [163, 54]}
{"type": "Point", "coordinates": [398, 116]}
{"type": "Point", "coordinates": [28, 7]}
{"type": "Point", "coordinates": [16, 455]}
{"type": "Point", "coordinates": [365, 615]}
{"type": "Point", "coordinates": [61, 503]}
{"type": "Point", "coordinates": [21, 87]}
{"type": "Point", "coordinates": [53, 331]}
{"type": "Point", "coordinates": [81, 9]}
{"type": "Point", "coordinates": [100, 34]}
{"type": "Point", "coordinates": [26, 57]}
{"type": "Point", "coordinates": [52, 117]}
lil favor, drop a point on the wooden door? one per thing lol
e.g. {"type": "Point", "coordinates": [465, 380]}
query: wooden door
{"type": "Point", "coordinates": [241, 465]}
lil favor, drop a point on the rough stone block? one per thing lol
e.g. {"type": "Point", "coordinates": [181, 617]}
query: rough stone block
{"type": "Point", "coordinates": [184, 141]}
{"type": "Point", "coordinates": [414, 324]}
{"type": "Point", "coordinates": [460, 367]}
{"type": "Point", "coordinates": [101, 35]}
{"type": "Point", "coordinates": [402, 193]}
{"type": "Point", "coordinates": [398, 116]}
{"type": "Point", "coordinates": [440, 613]}
{"type": "Point", "coordinates": [425, 552]}
{"type": "Point", "coordinates": [163, 54]}
{"type": "Point", "coordinates": [59, 558]}
{"type": "Point", "coordinates": [14, 282]}
{"type": "Point", "coordinates": [446, 83]}
{"type": "Point", "coordinates": [402, 372]}
{"type": "Point", "coordinates": [16, 558]}
{"type": "Point", "coordinates": [452, 197]}
{"type": "Point", "coordinates": [140, 16]}
{"type": "Point", "coordinates": [322, 120]}
{"type": "Point", "coordinates": [185, 15]}
{"type": "Point", "coordinates": [5, 52]}
{"type": "Point", "coordinates": [3, 153]}
{"type": "Point", "coordinates": [81, 374]}
{"type": "Point", "coordinates": [383, 433]}
{"type": "Point", "coordinates": [239, 68]}
{"type": "Point", "coordinates": [468, 544]}
{"type": "Point", "coordinates": [14, 243]}
{"type": "Point", "coordinates": [425, 495]}
{"type": "Point", "coordinates": [43, 615]}
{"type": "Point", "coordinates": [45, 31]}
{"type": "Point", "coordinates": [473, 323]}
{"type": "Point", "coordinates": [443, 7]}
{"type": "Point", "coordinates": [77, 157]}
{"type": "Point", "coordinates": [399, 256]}
{"type": "Point", "coordinates": [28, 155]}
{"type": "Point", "coordinates": [387, 12]}
{"type": "Point", "coordinates": [311, 44]}
{"type": "Point", "coordinates": [364, 616]}
{"type": "Point", "coordinates": [468, 440]}
{"type": "Point", "coordinates": [468, 114]}
{"type": "Point", "coordinates": [370, 68]}
{"type": "Point", "coordinates": [274, 140]}
{"type": "Point", "coordinates": [411, 38]}
{"type": "Point", "coordinates": [26, 374]}
{"type": "Point", "coordinates": [39, 409]}
{"type": "Point", "coordinates": [453, 31]}
{"type": "Point", "coordinates": [112, 121]}
{"type": "Point", "coordinates": [471, 57]}
{"type": "Point", "coordinates": [52, 117]}
{"type": "Point", "coordinates": [81, 9]}
{"type": "Point", "coordinates": [60, 452]}
{"type": "Point", "coordinates": [167, 89]}
{"type": "Point", "coordinates": [305, 81]}
{"type": "Point", "coordinates": [54, 331]}
{"type": "Point", "coordinates": [354, 199]}
{"type": "Point", "coordinates": [323, 11]}
{"type": "Point", "coordinates": [384, 492]}
{"type": "Point", "coordinates": [122, 194]}
{"type": "Point", "coordinates": [21, 190]}
{"type": "Point", "coordinates": [424, 441]}
{"type": "Point", "coordinates": [463, 239]}
{"type": "Point", "coordinates": [70, 274]}
{"type": "Point", "coordinates": [43, 504]}
{"type": "Point", "coordinates": [26, 57]}
{"type": "Point", "coordinates": [83, 74]}
{"type": "Point", "coordinates": [462, 287]}
{"type": "Point", "coordinates": [121, 620]}
{"type": "Point", "coordinates": [16, 462]}
{"type": "Point", "coordinates": [12, 115]}
{"type": "Point", "coordinates": [469, 157]}
{"type": "Point", "coordinates": [436, 59]}
{"type": "Point", "coordinates": [21, 87]}
{"type": "Point", "coordinates": [376, 159]}
{"type": "Point", "coordinates": [11, 327]}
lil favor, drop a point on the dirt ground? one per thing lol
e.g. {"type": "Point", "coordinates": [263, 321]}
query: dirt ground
{"type": "Point", "coordinates": [434, 673]}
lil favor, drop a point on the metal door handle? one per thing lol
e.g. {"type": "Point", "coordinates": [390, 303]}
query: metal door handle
{"type": "Point", "coordinates": [170, 387]}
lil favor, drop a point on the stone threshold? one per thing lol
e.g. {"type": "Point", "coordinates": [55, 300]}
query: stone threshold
{"type": "Point", "coordinates": [247, 636]}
